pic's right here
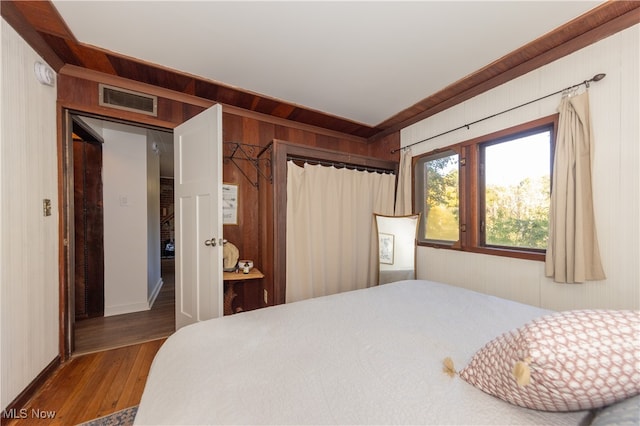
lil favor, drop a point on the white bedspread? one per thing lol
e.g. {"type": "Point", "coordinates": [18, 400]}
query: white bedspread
{"type": "Point", "coordinates": [370, 356]}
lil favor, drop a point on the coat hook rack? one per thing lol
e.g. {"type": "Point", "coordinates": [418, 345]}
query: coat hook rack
{"type": "Point", "coordinates": [245, 152]}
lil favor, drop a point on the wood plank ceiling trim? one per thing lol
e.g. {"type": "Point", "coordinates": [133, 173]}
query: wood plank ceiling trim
{"type": "Point", "coordinates": [143, 87]}
{"type": "Point", "coordinates": [23, 26]}
{"type": "Point", "coordinates": [601, 22]}
{"type": "Point", "coordinates": [43, 28]}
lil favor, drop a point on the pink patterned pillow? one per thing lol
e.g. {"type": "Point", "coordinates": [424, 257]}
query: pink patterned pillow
{"type": "Point", "coordinates": [573, 360]}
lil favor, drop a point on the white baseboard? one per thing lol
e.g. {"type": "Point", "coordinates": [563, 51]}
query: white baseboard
{"type": "Point", "coordinates": [155, 292]}
{"type": "Point", "coordinates": [125, 309]}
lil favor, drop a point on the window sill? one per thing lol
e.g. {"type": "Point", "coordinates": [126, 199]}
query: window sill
{"type": "Point", "coordinates": [518, 254]}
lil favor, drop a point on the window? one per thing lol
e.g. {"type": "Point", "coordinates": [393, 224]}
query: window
{"type": "Point", "coordinates": [515, 175]}
{"type": "Point", "coordinates": [490, 194]}
{"type": "Point", "coordinates": [439, 200]}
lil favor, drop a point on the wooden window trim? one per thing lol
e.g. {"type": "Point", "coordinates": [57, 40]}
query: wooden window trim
{"type": "Point", "coordinates": [469, 191]}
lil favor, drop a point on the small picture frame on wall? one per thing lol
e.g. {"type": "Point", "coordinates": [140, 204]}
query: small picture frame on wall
{"type": "Point", "coordinates": [229, 204]}
{"type": "Point", "coordinates": [386, 246]}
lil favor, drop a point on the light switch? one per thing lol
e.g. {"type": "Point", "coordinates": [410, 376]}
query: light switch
{"type": "Point", "coordinates": [46, 207]}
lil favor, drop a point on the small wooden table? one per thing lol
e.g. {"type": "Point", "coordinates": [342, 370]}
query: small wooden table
{"type": "Point", "coordinates": [230, 279]}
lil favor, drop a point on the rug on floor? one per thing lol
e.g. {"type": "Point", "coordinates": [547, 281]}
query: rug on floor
{"type": "Point", "coordinates": [119, 418]}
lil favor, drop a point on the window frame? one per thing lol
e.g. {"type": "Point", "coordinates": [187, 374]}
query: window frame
{"type": "Point", "coordinates": [470, 186]}
{"type": "Point", "coordinates": [420, 161]}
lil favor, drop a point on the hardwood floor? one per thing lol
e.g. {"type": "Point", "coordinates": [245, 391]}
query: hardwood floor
{"type": "Point", "coordinates": [90, 386]}
{"type": "Point", "coordinates": [98, 334]}
{"type": "Point", "coordinates": [109, 366]}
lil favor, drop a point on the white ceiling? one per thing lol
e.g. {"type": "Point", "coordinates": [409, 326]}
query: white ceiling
{"type": "Point", "coordinates": [360, 60]}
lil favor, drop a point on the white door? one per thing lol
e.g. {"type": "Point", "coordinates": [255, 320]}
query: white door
{"type": "Point", "coordinates": [198, 210]}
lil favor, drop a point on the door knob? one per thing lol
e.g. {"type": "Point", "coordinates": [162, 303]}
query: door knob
{"type": "Point", "coordinates": [212, 242]}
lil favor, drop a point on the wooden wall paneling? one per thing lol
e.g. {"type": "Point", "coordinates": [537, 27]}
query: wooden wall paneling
{"type": "Point", "coordinates": [242, 172]}
{"type": "Point", "coordinates": [293, 135]}
{"type": "Point", "coordinates": [80, 94]}
{"type": "Point", "coordinates": [76, 91]}
{"type": "Point", "coordinates": [251, 134]}
{"type": "Point", "coordinates": [381, 148]}
{"type": "Point", "coordinates": [325, 142]}
{"type": "Point", "coordinates": [267, 133]}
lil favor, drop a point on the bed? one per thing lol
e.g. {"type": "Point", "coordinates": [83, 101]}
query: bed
{"type": "Point", "coordinates": [372, 356]}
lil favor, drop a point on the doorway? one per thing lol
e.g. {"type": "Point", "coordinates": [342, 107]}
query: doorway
{"type": "Point", "coordinates": [151, 276]}
{"type": "Point", "coordinates": [103, 333]}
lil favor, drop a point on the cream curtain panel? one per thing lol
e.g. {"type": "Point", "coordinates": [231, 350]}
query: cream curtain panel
{"type": "Point", "coordinates": [403, 196]}
{"type": "Point", "coordinates": [331, 242]}
{"type": "Point", "coordinates": [573, 255]}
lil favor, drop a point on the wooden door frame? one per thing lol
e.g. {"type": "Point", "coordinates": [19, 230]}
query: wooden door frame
{"type": "Point", "coordinates": [78, 94]}
{"type": "Point", "coordinates": [66, 243]}
{"type": "Point", "coordinates": [66, 228]}
{"type": "Point", "coordinates": [274, 205]}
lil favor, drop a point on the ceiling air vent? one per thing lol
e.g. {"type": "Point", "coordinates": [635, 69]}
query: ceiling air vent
{"type": "Point", "coordinates": [115, 97]}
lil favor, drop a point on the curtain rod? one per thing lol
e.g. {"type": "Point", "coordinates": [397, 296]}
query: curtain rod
{"type": "Point", "coordinates": [340, 165]}
{"type": "Point", "coordinates": [595, 78]}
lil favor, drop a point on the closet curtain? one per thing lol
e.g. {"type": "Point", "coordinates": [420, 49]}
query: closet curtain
{"type": "Point", "coordinates": [573, 255]}
{"type": "Point", "coordinates": [331, 238]}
